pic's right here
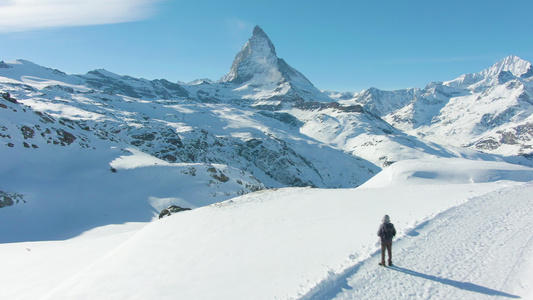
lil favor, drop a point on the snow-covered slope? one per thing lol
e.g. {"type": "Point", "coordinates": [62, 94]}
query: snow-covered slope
{"type": "Point", "coordinates": [472, 251]}
{"type": "Point", "coordinates": [66, 190]}
{"type": "Point", "coordinates": [176, 129]}
{"type": "Point", "coordinates": [365, 135]}
{"type": "Point", "coordinates": [303, 243]}
{"type": "Point", "coordinates": [488, 111]}
{"type": "Point", "coordinates": [377, 101]}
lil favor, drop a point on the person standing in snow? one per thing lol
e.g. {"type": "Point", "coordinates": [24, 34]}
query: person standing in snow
{"type": "Point", "coordinates": [386, 232]}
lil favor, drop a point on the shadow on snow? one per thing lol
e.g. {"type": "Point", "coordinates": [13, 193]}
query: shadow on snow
{"type": "Point", "coordinates": [467, 286]}
{"type": "Point", "coordinates": [336, 283]}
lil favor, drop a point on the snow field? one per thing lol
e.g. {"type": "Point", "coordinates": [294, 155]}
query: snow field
{"type": "Point", "coordinates": [266, 245]}
{"type": "Point", "coordinates": [303, 243]}
{"type": "Point", "coordinates": [479, 250]}
{"type": "Point", "coordinates": [32, 269]}
{"type": "Point", "coordinates": [69, 191]}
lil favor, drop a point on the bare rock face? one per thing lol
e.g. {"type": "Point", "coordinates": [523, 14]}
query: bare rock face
{"type": "Point", "coordinates": [7, 96]}
{"type": "Point", "coordinates": [171, 210]}
{"type": "Point", "coordinates": [260, 75]}
{"type": "Point", "coordinates": [9, 199]}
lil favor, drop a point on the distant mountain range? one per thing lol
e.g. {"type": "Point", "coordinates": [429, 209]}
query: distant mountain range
{"type": "Point", "coordinates": [268, 120]}
{"type": "Point", "coordinates": [489, 111]}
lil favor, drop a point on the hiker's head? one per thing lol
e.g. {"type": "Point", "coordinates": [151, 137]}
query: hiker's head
{"type": "Point", "coordinates": [386, 219]}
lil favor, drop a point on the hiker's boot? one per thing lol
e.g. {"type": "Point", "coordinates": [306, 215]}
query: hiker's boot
{"type": "Point", "coordinates": [390, 263]}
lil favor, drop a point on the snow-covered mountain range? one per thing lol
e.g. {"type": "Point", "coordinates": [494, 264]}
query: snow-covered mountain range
{"type": "Point", "coordinates": [489, 111]}
{"type": "Point", "coordinates": [88, 161]}
{"type": "Point", "coordinates": [266, 120]}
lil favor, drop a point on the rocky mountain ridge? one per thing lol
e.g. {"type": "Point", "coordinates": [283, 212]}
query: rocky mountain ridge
{"type": "Point", "coordinates": [258, 74]}
{"type": "Point", "coordinates": [266, 120]}
{"type": "Point", "coordinates": [489, 111]}
{"type": "Point", "coordinates": [177, 123]}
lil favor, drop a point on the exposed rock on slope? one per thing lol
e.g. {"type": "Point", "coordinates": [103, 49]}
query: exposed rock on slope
{"type": "Point", "coordinates": [258, 75]}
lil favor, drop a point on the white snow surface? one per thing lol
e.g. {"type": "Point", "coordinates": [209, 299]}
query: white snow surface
{"type": "Point", "coordinates": [463, 233]}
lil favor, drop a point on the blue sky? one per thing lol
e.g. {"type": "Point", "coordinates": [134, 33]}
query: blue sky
{"type": "Point", "coordinates": [337, 45]}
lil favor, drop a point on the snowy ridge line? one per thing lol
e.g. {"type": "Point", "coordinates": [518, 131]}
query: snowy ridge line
{"type": "Point", "coordinates": [471, 251]}
{"type": "Point", "coordinates": [335, 282]}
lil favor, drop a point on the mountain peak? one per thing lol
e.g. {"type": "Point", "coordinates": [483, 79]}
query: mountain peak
{"type": "Point", "coordinates": [257, 56]}
{"type": "Point", "coordinates": [503, 71]}
{"type": "Point", "coordinates": [261, 44]}
{"type": "Point", "coordinates": [258, 31]}
{"type": "Point", "coordinates": [260, 74]}
{"type": "Point", "coordinates": [512, 64]}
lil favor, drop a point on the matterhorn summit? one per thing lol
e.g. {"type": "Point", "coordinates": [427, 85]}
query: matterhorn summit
{"type": "Point", "coordinates": [258, 74]}
{"type": "Point", "coordinates": [256, 59]}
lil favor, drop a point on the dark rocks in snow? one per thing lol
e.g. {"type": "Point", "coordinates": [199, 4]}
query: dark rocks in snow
{"type": "Point", "coordinates": [283, 117]}
{"type": "Point", "coordinates": [161, 141]}
{"type": "Point", "coordinates": [26, 145]}
{"type": "Point", "coordinates": [8, 199]}
{"type": "Point", "coordinates": [7, 96]}
{"type": "Point", "coordinates": [169, 158]}
{"type": "Point", "coordinates": [45, 118]}
{"type": "Point", "coordinates": [505, 76]}
{"type": "Point", "coordinates": [172, 209]}
{"type": "Point", "coordinates": [27, 132]}
{"type": "Point", "coordinates": [487, 144]}
{"type": "Point", "coordinates": [279, 161]}
{"type": "Point", "coordinates": [145, 136]}
{"type": "Point", "coordinates": [352, 108]}
{"type": "Point", "coordinates": [65, 137]}
{"type": "Point", "coordinates": [314, 105]}
{"type": "Point", "coordinates": [218, 175]}
{"type": "Point", "coordinates": [517, 136]}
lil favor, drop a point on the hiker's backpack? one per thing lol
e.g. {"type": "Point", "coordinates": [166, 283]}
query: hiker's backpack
{"type": "Point", "coordinates": [388, 231]}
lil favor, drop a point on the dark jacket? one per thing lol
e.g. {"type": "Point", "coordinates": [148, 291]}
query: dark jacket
{"type": "Point", "coordinates": [382, 230]}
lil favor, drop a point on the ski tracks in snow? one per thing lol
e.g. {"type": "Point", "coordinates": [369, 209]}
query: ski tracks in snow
{"type": "Point", "coordinates": [478, 250]}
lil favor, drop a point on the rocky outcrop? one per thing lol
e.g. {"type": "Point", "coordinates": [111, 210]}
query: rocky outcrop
{"type": "Point", "coordinates": [7, 96]}
{"type": "Point", "coordinates": [172, 210]}
{"type": "Point", "coordinates": [9, 199]}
